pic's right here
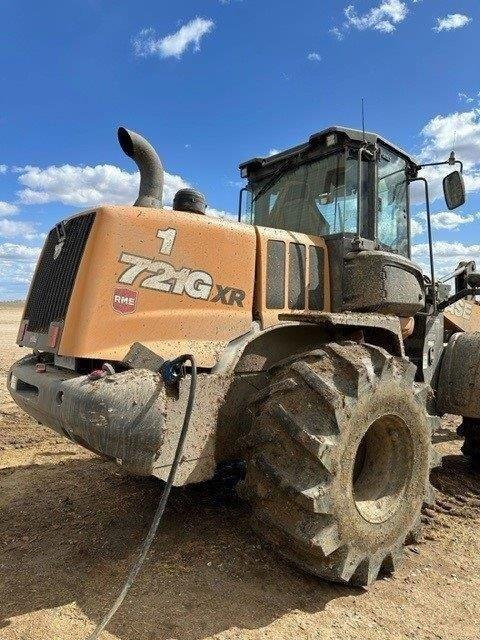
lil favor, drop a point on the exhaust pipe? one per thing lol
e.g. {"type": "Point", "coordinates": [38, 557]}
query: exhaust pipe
{"type": "Point", "coordinates": [150, 167]}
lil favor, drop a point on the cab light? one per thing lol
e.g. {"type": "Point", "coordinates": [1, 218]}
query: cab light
{"type": "Point", "coordinates": [331, 140]}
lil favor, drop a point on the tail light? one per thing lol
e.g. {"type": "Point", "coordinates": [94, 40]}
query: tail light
{"type": "Point", "coordinates": [22, 330]}
{"type": "Point", "coordinates": [53, 333]}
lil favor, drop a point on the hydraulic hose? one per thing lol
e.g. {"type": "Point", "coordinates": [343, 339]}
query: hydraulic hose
{"type": "Point", "coordinates": [175, 366]}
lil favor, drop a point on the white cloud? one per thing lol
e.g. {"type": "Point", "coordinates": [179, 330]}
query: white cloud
{"type": "Point", "coordinates": [313, 56]}
{"type": "Point", "coordinates": [217, 213]}
{"type": "Point", "coordinates": [16, 273]}
{"type": "Point", "coordinates": [465, 97]}
{"type": "Point", "coordinates": [447, 255]}
{"type": "Point", "coordinates": [91, 186]}
{"type": "Point", "coordinates": [147, 43]}
{"type": "Point", "coordinates": [87, 186]}
{"type": "Point", "coordinates": [7, 209]}
{"type": "Point", "coordinates": [452, 21]}
{"type": "Point", "coordinates": [446, 220]}
{"type": "Point", "coordinates": [416, 227]}
{"type": "Point", "coordinates": [459, 130]}
{"type": "Point", "coordinates": [17, 263]}
{"type": "Point", "coordinates": [273, 152]}
{"type": "Point", "coordinates": [450, 220]}
{"type": "Point", "coordinates": [337, 33]}
{"type": "Point", "coordinates": [19, 252]}
{"type": "Point", "coordinates": [15, 228]}
{"type": "Point", "coordinates": [383, 17]}
{"type": "Point", "coordinates": [3, 168]}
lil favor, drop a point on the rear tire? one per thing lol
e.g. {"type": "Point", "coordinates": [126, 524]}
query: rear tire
{"type": "Point", "coordinates": [338, 460]}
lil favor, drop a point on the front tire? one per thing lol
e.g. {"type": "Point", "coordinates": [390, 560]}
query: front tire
{"type": "Point", "coordinates": [338, 460]}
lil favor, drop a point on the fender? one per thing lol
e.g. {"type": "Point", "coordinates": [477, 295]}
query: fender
{"type": "Point", "coordinates": [247, 360]}
{"type": "Point", "coordinates": [258, 349]}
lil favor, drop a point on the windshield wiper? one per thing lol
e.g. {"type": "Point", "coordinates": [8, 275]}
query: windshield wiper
{"type": "Point", "coordinates": [282, 169]}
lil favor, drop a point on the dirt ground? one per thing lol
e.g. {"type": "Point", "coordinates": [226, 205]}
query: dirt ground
{"type": "Point", "coordinates": [70, 524]}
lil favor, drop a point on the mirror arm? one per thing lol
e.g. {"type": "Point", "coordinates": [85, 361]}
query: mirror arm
{"type": "Point", "coordinates": [429, 230]}
{"type": "Point", "coordinates": [456, 273]}
{"type": "Point", "coordinates": [450, 162]}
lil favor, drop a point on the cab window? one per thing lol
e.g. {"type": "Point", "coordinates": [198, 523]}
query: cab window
{"type": "Point", "coordinates": [320, 198]}
{"type": "Point", "coordinates": [392, 208]}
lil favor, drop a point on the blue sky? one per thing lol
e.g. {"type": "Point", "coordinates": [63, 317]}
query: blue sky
{"type": "Point", "coordinates": [214, 83]}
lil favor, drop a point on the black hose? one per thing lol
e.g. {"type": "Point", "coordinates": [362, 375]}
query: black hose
{"type": "Point", "coordinates": [146, 544]}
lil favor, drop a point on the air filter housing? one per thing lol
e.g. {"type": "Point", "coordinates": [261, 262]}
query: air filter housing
{"type": "Point", "coordinates": [189, 200]}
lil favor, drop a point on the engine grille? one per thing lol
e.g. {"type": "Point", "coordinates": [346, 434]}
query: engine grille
{"type": "Point", "coordinates": [54, 278]}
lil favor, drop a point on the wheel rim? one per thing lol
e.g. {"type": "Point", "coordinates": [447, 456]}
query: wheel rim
{"type": "Point", "coordinates": [382, 469]}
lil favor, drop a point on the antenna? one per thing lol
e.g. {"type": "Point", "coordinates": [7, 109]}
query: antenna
{"type": "Point", "coordinates": [451, 160]}
{"type": "Point", "coordinates": [363, 118]}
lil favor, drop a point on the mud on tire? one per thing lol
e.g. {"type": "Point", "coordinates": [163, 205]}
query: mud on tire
{"type": "Point", "coordinates": [338, 460]}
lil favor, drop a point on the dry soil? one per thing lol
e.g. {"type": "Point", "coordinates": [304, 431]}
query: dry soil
{"type": "Point", "coordinates": [70, 523]}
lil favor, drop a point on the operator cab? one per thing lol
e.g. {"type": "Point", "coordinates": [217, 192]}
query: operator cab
{"type": "Point", "coordinates": [342, 181]}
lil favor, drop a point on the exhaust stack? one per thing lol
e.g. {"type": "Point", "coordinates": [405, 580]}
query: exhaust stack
{"type": "Point", "coordinates": [150, 167]}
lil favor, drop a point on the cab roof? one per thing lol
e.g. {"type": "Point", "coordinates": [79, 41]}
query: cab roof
{"type": "Point", "coordinates": [355, 136]}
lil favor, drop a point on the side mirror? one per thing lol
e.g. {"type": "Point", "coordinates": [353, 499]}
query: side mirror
{"type": "Point", "coordinates": [454, 190]}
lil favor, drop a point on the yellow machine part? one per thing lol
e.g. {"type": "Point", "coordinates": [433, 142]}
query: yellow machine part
{"type": "Point", "coordinates": [292, 277]}
{"type": "Point", "coordinates": [175, 282]}
{"type": "Point", "coordinates": [186, 283]}
{"type": "Point", "coordinates": [463, 315]}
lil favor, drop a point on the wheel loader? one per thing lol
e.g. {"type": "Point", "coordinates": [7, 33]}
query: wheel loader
{"type": "Point", "coordinates": [321, 350]}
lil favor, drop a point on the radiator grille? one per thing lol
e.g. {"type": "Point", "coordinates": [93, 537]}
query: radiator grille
{"type": "Point", "coordinates": [54, 278]}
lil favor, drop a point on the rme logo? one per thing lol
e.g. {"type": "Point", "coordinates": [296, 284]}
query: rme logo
{"type": "Point", "coordinates": [124, 300]}
{"type": "Point", "coordinates": [160, 275]}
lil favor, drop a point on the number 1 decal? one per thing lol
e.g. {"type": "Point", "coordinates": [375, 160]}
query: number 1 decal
{"type": "Point", "coordinates": [167, 236]}
{"type": "Point", "coordinates": [159, 275]}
